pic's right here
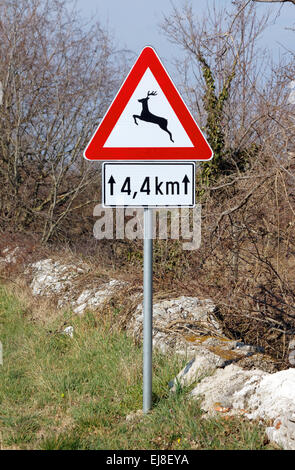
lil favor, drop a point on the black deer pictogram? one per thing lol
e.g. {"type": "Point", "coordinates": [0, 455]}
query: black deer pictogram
{"type": "Point", "coordinates": [147, 116]}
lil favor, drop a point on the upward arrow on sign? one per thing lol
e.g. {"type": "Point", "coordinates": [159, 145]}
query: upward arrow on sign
{"type": "Point", "coordinates": [148, 120]}
{"type": "Point", "coordinates": [185, 181]}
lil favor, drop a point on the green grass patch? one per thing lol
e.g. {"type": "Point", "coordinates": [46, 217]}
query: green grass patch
{"type": "Point", "coordinates": [58, 392]}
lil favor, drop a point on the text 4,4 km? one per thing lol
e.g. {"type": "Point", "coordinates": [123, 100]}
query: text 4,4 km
{"type": "Point", "coordinates": [155, 186]}
{"type": "Point", "coordinates": [152, 184]}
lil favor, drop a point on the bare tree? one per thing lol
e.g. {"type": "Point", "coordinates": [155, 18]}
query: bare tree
{"type": "Point", "coordinates": [275, 1]}
{"type": "Point", "coordinates": [58, 75]}
{"type": "Point", "coordinates": [221, 73]}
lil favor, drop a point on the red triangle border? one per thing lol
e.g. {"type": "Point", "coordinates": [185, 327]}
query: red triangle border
{"type": "Point", "coordinates": [200, 150]}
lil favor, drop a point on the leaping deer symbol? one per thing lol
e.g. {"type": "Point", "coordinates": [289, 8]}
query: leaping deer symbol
{"type": "Point", "coordinates": [147, 116]}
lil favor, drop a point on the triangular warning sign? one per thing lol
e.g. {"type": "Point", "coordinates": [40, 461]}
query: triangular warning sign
{"type": "Point", "coordinates": [148, 120]}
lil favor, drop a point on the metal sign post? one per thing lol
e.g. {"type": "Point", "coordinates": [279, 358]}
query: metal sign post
{"type": "Point", "coordinates": [147, 309]}
{"type": "Point", "coordinates": [149, 127]}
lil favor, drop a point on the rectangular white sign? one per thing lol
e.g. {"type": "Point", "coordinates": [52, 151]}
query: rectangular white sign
{"type": "Point", "coordinates": [160, 184]}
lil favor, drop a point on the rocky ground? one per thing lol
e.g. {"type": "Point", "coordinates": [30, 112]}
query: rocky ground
{"type": "Point", "coordinates": [230, 377]}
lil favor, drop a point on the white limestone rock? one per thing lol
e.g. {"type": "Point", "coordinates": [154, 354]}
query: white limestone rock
{"type": "Point", "coordinates": [259, 394]}
{"type": "Point", "coordinates": [211, 354]}
{"type": "Point", "coordinates": [10, 255]}
{"type": "Point", "coordinates": [222, 386]}
{"type": "Point", "coordinates": [51, 277]}
{"type": "Point", "coordinates": [189, 314]}
{"type": "Point", "coordinates": [92, 298]}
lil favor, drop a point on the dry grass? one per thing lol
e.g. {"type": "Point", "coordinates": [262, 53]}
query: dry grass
{"type": "Point", "coordinates": [61, 393]}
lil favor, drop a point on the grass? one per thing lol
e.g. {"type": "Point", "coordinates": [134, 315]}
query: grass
{"type": "Point", "coordinates": [58, 392]}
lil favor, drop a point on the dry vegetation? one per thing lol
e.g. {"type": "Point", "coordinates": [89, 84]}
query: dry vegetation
{"type": "Point", "coordinates": [246, 260]}
{"type": "Point", "coordinates": [58, 74]}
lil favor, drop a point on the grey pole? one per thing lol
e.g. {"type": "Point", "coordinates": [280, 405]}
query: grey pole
{"type": "Point", "coordinates": [147, 309]}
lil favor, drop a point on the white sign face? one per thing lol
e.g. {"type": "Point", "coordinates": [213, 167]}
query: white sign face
{"type": "Point", "coordinates": [148, 184]}
{"type": "Point", "coordinates": [146, 131]}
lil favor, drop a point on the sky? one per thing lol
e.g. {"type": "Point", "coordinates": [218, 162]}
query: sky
{"type": "Point", "coordinates": [135, 23]}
